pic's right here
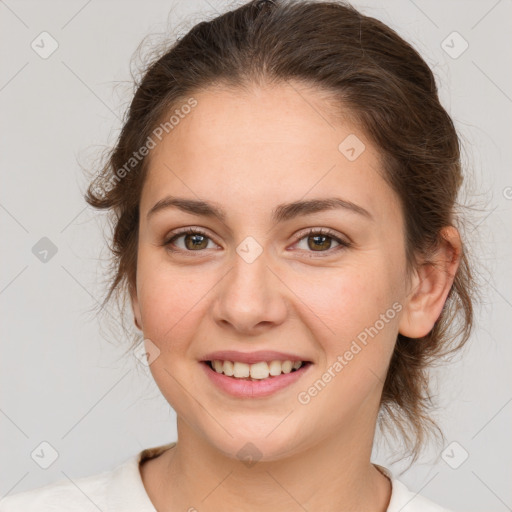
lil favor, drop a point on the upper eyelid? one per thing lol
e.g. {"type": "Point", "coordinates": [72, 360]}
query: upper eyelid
{"type": "Point", "coordinates": [324, 231]}
{"type": "Point", "coordinates": [186, 231]}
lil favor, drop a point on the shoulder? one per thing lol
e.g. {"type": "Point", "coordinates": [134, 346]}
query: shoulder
{"type": "Point", "coordinates": [408, 501]}
{"type": "Point", "coordinates": [405, 500]}
{"type": "Point", "coordinates": [79, 494]}
{"type": "Point", "coordinates": [119, 489]}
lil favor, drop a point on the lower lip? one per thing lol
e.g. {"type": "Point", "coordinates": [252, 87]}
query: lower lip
{"type": "Point", "coordinates": [253, 388]}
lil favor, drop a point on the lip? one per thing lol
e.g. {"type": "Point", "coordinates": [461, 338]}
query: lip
{"type": "Point", "coordinates": [252, 357]}
{"type": "Point", "coordinates": [241, 388]}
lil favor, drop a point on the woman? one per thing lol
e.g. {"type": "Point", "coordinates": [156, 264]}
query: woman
{"type": "Point", "coordinates": [284, 197]}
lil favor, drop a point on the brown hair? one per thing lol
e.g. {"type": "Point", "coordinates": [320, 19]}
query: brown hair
{"type": "Point", "coordinates": [390, 91]}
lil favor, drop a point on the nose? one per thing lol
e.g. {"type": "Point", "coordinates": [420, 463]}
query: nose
{"type": "Point", "coordinates": [251, 298]}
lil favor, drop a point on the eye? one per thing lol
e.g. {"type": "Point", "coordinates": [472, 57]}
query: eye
{"type": "Point", "coordinates": [194, 240]}
{"type": "Point", "coordinates": [316, 240]}
{"type": "Point", "coordinates": [320, 240]}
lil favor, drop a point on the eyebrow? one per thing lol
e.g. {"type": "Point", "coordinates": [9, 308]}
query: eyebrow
{"type": "Point", "coordinates": [280, 213]}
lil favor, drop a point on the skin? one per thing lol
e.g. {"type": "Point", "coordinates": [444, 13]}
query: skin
{"type": "Point", "coordinates": [248, 151]}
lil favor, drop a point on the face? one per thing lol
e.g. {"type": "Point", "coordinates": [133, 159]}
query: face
{"type": "Point", "coordinates": [318, 284]}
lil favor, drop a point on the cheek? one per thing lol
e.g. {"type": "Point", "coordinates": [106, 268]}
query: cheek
{"type": "Point", "coordinates": [353, 316]}
{"type": "Point", "coordinates": [172, 300]}
{"type": "Point", "coordinates": [345, 300]}
{"type": "Point", "coordinates": [172, 303]}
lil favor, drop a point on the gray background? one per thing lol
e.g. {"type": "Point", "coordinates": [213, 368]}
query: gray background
{"type": "Point", "coordinates": [64, 380]}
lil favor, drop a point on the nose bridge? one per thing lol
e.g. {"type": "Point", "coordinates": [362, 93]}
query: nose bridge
{"type": "Point", "coordinates": [249, 279]}
{"type": "Point", "coordinates": [250, 294]}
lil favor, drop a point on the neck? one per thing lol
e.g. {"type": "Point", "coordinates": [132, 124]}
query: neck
{"type": "Point", "coordinates": [335, 474]}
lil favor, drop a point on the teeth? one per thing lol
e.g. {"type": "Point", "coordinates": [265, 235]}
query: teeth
{"type": "Point", "coordinates": [275, 368]}
{"type": "Point", "coordinates": [257, 371]}
{"type": "Point", "coordinates": [229, 368]}
{"type": "Point", "coordinates": [241, 370]}
{"type": "Point", "coordinates": [286, 366]}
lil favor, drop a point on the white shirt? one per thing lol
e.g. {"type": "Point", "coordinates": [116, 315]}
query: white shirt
{"type": "Point", "coordinates": [122, 490]}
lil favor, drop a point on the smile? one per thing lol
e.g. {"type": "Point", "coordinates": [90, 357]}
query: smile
{"type": "Point", "coordinates": [256, 371]}
{"type": "Point", "coordinates": [255, 380]}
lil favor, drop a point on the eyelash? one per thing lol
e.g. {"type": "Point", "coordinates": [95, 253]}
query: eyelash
{"type": "Point", "coordinates": [310, 232]}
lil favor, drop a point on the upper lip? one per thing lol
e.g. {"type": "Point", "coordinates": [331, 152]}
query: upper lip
{"type": "Point", "coordinates": [252, 357]}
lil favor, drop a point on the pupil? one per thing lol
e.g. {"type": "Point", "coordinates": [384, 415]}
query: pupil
{"type": "Point", "coordinates": [195, 242]}
{"type": "Point", "coordinates": [316, 238]}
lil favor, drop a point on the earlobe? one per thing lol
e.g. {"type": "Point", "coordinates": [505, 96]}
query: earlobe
{"type": "Point", "coordinates": [430, 286]}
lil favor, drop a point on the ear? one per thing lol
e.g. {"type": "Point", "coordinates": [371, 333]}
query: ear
{"type": "Point", "coordinates": [430, 286]}
{"type": "Point", "coordinates": [135, 308]}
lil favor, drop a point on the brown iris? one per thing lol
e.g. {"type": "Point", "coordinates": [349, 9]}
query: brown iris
{"type": "Point", "coordinates": [320, 242]}
{"type": "Point", "coordinates": [196, 240]}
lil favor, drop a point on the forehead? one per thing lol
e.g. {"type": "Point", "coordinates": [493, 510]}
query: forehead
{"type": "Point", "coordinates": [266, 145]}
